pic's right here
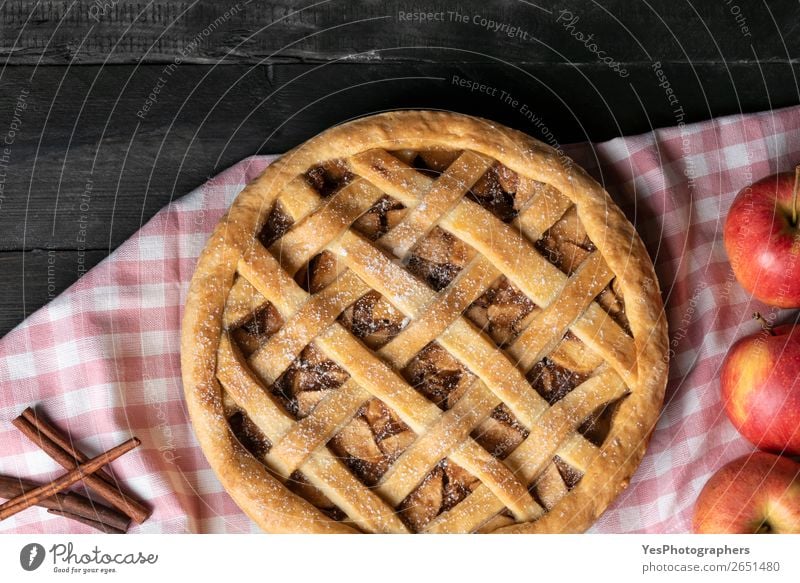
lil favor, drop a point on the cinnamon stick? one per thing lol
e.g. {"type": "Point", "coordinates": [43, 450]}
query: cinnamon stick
{"type": "Point", "coordinates": [101, 526]}
{"type": "Point", "coordinates": [107, 492]}
{"type": "Point", "coordinates": [36, 495]}
{"type": "Point", "coordinates": [68, 502]}
{"type": "Point", "coordinates": [54, 435]}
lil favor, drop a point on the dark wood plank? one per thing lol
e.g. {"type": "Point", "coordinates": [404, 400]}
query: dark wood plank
{"type": "Point", "coordinates": [86, 171]}
{"type": "Point", "coordinates": [206, 31]}
{"type": "Point", "coordinates": [31, 279]}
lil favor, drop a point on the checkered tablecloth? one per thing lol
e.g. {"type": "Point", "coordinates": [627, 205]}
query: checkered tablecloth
{"type": "Point", "coordinates": [102, 359]}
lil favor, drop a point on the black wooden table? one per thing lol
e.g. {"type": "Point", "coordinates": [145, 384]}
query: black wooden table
{"type": "Point", "coordinates": [110, 109]}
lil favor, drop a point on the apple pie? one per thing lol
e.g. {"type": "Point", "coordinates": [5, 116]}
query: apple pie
{"type": "Point", "coordinates": [424, 322]}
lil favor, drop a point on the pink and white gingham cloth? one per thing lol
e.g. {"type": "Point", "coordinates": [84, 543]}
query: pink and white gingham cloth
{"type": "Point", "coordinates": [102, 359]}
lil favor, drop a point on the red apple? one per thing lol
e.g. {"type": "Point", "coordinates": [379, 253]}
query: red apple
{"type": "Point", "coordinates": [762, 239]}
{"type": "Point", "coordinates": [760, 384]}
{"type": "Point", "coordinates": [757, 493]}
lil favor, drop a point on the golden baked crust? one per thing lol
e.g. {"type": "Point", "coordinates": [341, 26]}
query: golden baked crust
{"type": "Point", "coordinates": [490, 260]}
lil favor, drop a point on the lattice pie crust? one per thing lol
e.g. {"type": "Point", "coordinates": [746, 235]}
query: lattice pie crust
{"type": "Point", "coordinates": [424, 322]}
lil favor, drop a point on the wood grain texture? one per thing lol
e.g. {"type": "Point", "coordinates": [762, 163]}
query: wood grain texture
{"type": "Point", "coordinates": [205, 31]}
{"type": "Point", "coordinates": [128, 105]}
{"type": "Point", "coordinates": [85, 166]}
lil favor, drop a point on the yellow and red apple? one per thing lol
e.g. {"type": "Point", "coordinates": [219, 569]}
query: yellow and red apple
{"type": "Point", "coordinates": [760, 384]}
{"type": "Point", "coordinates": [762, 239]}
{"type": "Point", "coordinates": [757, 493]}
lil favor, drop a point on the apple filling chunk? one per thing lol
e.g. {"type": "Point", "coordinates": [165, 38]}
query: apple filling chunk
{"type": "Point", "coordinates": [371, 441]}
{"type": "Point", "coordinates": [441, 490]}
